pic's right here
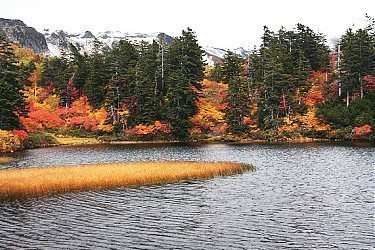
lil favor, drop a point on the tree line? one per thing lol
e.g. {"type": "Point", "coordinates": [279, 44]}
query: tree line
{"type": "Point", "coordinates": [292, 80]}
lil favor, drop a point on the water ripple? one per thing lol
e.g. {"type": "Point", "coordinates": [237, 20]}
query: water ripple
{"type": "Point", "coordinates": [314, 196]}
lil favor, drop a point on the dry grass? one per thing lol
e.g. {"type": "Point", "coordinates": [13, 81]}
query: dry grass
{"type": "Point", "coordinates": [5, 159]}
{"type": "Point", "coordinates": [75, 140]}
{"type": "Point", "coordinates": [37, 181]}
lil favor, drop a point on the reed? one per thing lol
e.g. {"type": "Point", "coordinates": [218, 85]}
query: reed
{"type": "Point", "coordinates": [15, 183]}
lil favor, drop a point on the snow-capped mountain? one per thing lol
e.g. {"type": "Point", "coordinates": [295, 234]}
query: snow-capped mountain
{"type": "Point", "coordinates": [216, 55]}
{"type": "Point", "coordinates": [54, 43]}
{"type": "Point", "coordinates": [59, 41]}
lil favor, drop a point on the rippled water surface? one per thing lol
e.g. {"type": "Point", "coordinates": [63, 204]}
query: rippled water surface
{"type": "Point", "coordinates": [309, 196]}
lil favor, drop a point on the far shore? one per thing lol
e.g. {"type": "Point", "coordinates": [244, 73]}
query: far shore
{"type": "Point", "coordinates": [66, 141]}
{"type": "Point", "coordinates": [17, 183]}
{"type": "Point", "coordinates": [6, 159]}
{"type": "Point", "coordinates": [80, 141]}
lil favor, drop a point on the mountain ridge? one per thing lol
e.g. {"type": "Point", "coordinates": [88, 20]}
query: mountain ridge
{"type": "Point", "coordinates": [54, 43]}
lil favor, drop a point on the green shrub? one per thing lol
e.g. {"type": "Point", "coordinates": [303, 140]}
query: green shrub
{"type": "Point", "coordinates": [40, 139]}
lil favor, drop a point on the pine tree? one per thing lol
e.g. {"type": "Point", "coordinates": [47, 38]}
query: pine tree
{"type": "Point", "coordinates": [313, 46]}
{"type": "Point", "coordinates": [80, 67]}
{"type": "Point", "coordinates": [121, 63]}
{"type": "Point", "coordinates": [11, 98]}
{"type": "Point", "coordinates": [357, 61]}
{"type": "Point", "coordinates": [98, 77]}
{"type": "Point", "coordinates": [184, 73]}
{"type": "Point", "coordinates": [192, 62]}
{"type": "Point", "coordinates": [280, 69]}
{"type": "Point", "coordinates": [148, 105]}
{"type": "Point", "coordinates": [370, 27]}
{"type": "Point", "coordinates": [238, 99]}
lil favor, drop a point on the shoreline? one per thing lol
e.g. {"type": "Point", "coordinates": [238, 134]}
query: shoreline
{"type": "Point", "coordinates": [81, 141]}
{"type": "Point", "coordinates": [205, 141]}
{"type": "Point", "coordinates": [6, 159]}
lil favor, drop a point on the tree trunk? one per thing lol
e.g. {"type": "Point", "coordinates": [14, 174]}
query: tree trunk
{"type": "Point", "coordinates": [347, 99]}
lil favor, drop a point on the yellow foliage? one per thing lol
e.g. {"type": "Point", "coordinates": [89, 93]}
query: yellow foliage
{"type": "Point", "coordinates": [9, 142]}
{"type": "Point", "coordinates": [210, 116]}
{"type": "Point", "coordinates": [311, 122]}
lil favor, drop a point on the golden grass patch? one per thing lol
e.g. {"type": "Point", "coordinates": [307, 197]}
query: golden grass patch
{"type": "Point", "coordinates": [37, 181]}
{"type": "Point", "coordinates": [75, 140]}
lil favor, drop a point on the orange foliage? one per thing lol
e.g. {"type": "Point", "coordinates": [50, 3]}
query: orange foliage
{"type": "Point", "coordinates": [362, 132]}
{"type": "Point", "coordinates": [21, 134]}
{"type": "Point", "coordinates": [314, 96]}
{"type": "Point", "coordinates": [80, 107]}
{"type": "Point", "coordinates": [249, 121]}
{"type": "Point", "coordinates": [309, 121]}
{"type": "Point", "coordinates": [156, 128]}
{"type": "Point", "coordinates": [370, 83]}
{"type": "Point", "coordinates": [41, 116]}
{"type": "Point", "coordinates": [210, 116]}
{"type": "Point", "coordinates": [317, 91]}
{"type": "Point", "coordinates": [82, 115]}
{"type": "Point", "coordinates": [48, 115]}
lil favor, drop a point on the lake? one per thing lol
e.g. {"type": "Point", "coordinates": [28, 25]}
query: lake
{"type": "Point", "coordinates": [310, 196]}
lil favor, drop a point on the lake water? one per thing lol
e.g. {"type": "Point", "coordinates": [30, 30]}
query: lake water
{"type": "Point", "coordinates": [302, 196]}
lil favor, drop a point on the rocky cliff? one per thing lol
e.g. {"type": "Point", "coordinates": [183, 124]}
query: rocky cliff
{"type": "Point", "coordinates": [17, 31]}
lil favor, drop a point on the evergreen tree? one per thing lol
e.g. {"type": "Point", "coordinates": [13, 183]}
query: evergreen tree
{"type": "Point", "coordinates": [148, 105]}
{"type": "Point", "coordinates": [313, 46]}
{"type": "Point", "coordinates": [121, 62]}
{"type": "Point", "coordinates": [11, 98]}
{"type": "Point", "coordinates": [357, 61]}
{"type": "Point", "coordinates": [192, 62]}
{"type": "Point", "coordinates": [215, 73]}
{"type": "Point", "coordinates": [276, 82]}
{"type": "Point", "coordinates": [280, 68]}
{"type": "Point", "coordinates": [238, 99]}
{"type": "Point", "coordinates": [80, 67]}
{"type": "Point", "coordinates": [58, 73]}
{"type": "Point", "coordinates": [370, 26]}
{"type": "Point", "coordinates": [98, 77]}
{"type": "Point", "coordinates": [266, 38]}
{"type": "Point", "coordinates": [184, 73]}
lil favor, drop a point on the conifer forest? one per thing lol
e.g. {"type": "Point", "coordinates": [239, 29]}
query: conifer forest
{"type": "Point", "coordinates": [291, 86]}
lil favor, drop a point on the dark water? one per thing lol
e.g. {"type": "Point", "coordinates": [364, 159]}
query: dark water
{"type": "Point", "coordinates": [302, 196]}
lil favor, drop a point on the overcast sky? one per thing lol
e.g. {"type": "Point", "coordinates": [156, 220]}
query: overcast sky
{"type": "Point", "coordinates": [224, 24]}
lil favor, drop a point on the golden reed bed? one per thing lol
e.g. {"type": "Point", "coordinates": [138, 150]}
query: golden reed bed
{"type": "Point", "coordinates": [16, 183]}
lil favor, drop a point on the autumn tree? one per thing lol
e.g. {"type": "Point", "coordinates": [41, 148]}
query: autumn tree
{"type": "Point", "coordinates": [209, 120]}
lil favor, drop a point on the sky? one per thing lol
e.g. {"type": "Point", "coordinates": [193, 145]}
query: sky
{"type": "Point", "coordinates": [222, 24]}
